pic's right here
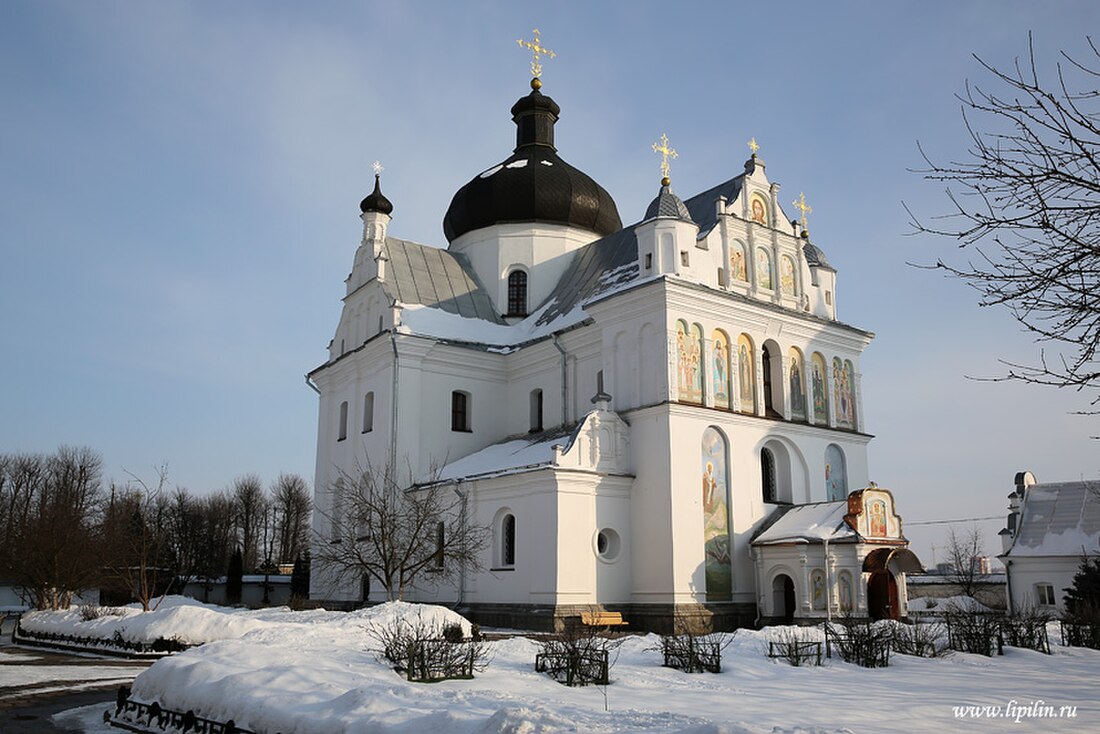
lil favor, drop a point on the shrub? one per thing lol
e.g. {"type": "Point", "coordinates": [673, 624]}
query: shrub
{"type": "Point", "coordinates": [974, 632]}
{"type": "Point", "coordinates": [578, 655]}
{"type": "Point", "coordinates": [425, 652]}
{"type": "Point", "coordinates": [794, 646]}
{"type": "Point", "coordinates": [859, 641]}
{"type": "Point", "coordinates": [923, 639]}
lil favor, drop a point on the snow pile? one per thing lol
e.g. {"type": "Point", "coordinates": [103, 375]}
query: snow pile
{"type": "Point", "coordinates": [318, 672]}
{"type": "Point", "coordinates": [177, 617]}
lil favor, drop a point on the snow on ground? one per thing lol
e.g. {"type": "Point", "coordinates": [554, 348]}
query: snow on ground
{"type": "Point", "coordinates": [179, 617]}
{"type": "Point", "coordinates": [12, 676]}
{"type": "Point", "coordinates": [315, 672]}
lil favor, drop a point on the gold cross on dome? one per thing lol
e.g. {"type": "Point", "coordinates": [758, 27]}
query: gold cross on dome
{"type": "Point", "coordinates": [753, 146]}
{"type": "Point", "coordinates": [536, 49]}
{"type": "Point", "coordinates": [377, 168]}
{"type": "Point", "coordinates": [801, 205]}
{"type": "Point", "coordinates": [666, 153]}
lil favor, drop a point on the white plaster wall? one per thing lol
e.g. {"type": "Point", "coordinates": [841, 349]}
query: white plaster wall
{"type": "Point", "coordinates": [543, 250]}
{"type": "Point", "coordinates": [1024, 573]}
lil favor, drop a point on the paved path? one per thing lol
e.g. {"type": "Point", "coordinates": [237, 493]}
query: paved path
{"type": "Point", "coordinates": [35, 684]}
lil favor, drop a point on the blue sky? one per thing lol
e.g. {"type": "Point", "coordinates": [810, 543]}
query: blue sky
{"type": "Point", "coordinates": [179, 186]}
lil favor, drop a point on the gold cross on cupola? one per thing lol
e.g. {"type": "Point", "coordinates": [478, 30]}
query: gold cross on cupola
{"type": "Point", "coordinates": [537, 51]}
{"type": "Point", "coordinates": [753, 146]}
{"type": "Point", "coordinates": [801, 205]}
{"type": "Point", "coordinates": [377, 168]}
{"type": "Point", "coordinates": [666, 153]}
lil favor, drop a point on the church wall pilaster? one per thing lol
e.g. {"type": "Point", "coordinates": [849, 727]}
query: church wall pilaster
{"type": "Point", "coordinates": [857, 393]}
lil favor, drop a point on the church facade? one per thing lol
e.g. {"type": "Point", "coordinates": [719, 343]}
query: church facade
{"type": "Point", "coordinates": [662, 419]}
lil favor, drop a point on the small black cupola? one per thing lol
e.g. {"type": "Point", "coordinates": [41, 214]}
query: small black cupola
{"type": "Point", "coordinates": [535, 116]}
{"type": "Point", "coordinates": [375, 201]}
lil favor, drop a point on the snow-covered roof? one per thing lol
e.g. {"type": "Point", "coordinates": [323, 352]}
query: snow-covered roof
{"type": "Point", "coordinates": [1059, 519]}
{"type": "Point", "coordinates": [811, 523]}
{"type": "Point", "coordinates": [510, 456]}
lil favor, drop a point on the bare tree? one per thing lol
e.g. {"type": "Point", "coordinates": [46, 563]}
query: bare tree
{"type": "Point", "coordinates": [292, 504]}
{"type": "Point", "coordinates": [249, 505]}
{"type": "Point", "coordinates": [965, 554]}
{"type": "Point", "coordinates": [1026, 201]}
{"type": "Point", "coordinates": [397, 534]}
{"type": "Point", "coordinates": [137, 534]}
{"type": "Point", "coordinates": [50, 510]}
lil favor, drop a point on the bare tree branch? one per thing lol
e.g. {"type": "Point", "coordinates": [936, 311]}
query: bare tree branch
{"type": "Point", "coordinates": [1026, 202]}
{"type": "Point", "coordinates": [394, 534]}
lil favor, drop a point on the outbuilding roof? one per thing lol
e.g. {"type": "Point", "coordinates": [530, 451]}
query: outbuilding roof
{"type": "Point", "coordinates": [1058, 519]}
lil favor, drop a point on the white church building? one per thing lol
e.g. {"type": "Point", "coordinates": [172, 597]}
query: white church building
{"type": "Point", "coordinates": [662, 419]}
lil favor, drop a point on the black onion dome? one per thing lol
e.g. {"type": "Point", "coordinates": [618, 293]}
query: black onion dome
{"type": "Point", "coordinates": [667, 204]}
{"type": "Point", "coordinates": [375, 201]}
{"type": "Point", "coordinates": [534, 184]}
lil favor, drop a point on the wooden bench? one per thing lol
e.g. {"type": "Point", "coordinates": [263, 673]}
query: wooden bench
{"type": "Point", "coordinates": [602, 619]}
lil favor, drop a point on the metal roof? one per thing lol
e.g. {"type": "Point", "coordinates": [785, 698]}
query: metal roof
{"type": "Point", "coordinates": [1059, 519]}
{"type": "Point", "coordinates": [438, 278]}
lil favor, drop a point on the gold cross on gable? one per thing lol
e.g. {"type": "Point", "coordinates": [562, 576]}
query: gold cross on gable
{"type": "Point", "coordinates": [753, 146]}
{"type": "Point", "coordinates": [377, 168]}
{"type": "Point", "coordinates": [801, 205]}
{"type": "Point", "coordinates": [536, 49]}
{"type": "Point", "coordinates": [666, 153]}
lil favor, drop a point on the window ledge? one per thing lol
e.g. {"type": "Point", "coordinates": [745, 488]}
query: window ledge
{"type": "Point", "coordinates": [503, 568]}
{"type": "Point", "coordinates": [462, 430]}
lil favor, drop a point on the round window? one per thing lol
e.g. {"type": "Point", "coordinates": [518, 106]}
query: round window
{"type": "Point", "coordinates": [608, 544]}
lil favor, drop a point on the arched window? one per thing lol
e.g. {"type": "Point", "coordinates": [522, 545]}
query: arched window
{"type": "Point", "coordinates": [342, 430]}
{"type": "Point", "coordinates": [368, 412]}
{"type": "Point", "coordinates": [767, 474]}
{"type": "Point", "coordinates": [836, 473]}
{"type": "Point", "coordinates": [772, 369]}
{"type": "Point", "coordinates": [508, 540]}
{"type": "Point", "coordinates": [460, 411]}
{"type": "Point", "coordinates": [536, 411]}
{"type": "Point", "coordinates": [716, 537]}
{"type": "Point", "coordinates": [517, 293]}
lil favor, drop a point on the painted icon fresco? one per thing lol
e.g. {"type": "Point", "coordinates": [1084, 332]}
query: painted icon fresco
{"type": "Point", "coordinates": [786, 276]}
{"type": "Point", "coordinates": [877, 522]}
{"type": "Point", "coordinates": [763, 268]}
{"type": "Point", "coordinates": [797, 385]}
{"type": "Point", "coordinates": [746, 374]}
{"type": "Point", "coordinates": [689, 376]}
{"type": "Point", "coordinates": [844, 586]}
{"type": "Point", "coordinates": [716, 536]}
{"type": "Point", "coordinates": [758, 209]}
{"type": "Point", "coordinates": [817, 589]}
{"type": "Point", "coordinates": [720, 369]}
{"type": "Point", "coordinates": [836, 473]}
{"type": "Point", "coordinates": [842, 393]}
{"type": "Point", "coordinates": [738, 270]}
{"type": "Point", "coordinates": [821, 396]}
